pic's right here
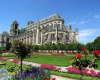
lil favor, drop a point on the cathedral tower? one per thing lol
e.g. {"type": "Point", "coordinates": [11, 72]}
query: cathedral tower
{"type": "Point", "coordinates": [14, 29]}
{"type": "Point", "coordinates": [76, 34]}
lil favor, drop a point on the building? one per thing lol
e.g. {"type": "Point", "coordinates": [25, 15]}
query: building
{"type": "Point", "coordinates": [4, 38]}
{"type": "Point", "coordinates": [50, 30]}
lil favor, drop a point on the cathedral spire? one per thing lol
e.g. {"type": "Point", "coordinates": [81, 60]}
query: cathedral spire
{"type": "Point", "coordinates": [38, 24]}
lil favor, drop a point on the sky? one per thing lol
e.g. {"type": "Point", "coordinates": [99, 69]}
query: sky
{"type": "Point", "coordinates": [81, 14]}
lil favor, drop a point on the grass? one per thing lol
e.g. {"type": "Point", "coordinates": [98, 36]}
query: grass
{"type": "Point", "coordinates": [47, 59]}
{"type": "Point", "coordinates": [58, 61]}
{"type": "Point", "coordinates": [74, 76]}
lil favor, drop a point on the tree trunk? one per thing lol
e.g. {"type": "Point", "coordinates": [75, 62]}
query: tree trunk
{"type": "Point", "coordinates": [21, 66]}
{"type": "Point", "coordinates": [81, 75]}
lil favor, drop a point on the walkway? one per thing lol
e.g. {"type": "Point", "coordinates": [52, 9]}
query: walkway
{"type": "Point", "coordinates": [61, 78]}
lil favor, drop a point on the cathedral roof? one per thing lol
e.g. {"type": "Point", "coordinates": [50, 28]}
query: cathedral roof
{"type": "Point", "coordinates": [5, 33]}
{"type": "Point", "coordinates": [22, 30]}
{"type": "Point", "coordinates": [65, 28]}
{"type": "Point", "coordinates": [45, 19]}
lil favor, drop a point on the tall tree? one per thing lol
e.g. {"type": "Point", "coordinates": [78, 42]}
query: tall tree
{"type": "Point", "coordinates": [90, 47]}
{"type": "Point", "coordinates": [8, 46]}
{"type": "Point", "coordinates": [21, 50]}
{"type": "Point", "coordinates": [79, 47]}
{"type": "Point", "coordinates": [96, 40]}
{"type": "Point", "coordinates": [35, 48]}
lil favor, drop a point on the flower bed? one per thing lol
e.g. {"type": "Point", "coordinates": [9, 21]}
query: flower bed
{"type": "Point", "coordinates": [33, 73]}
{"type": "Point", "coordinates": [88, 72]}
{"type": "Point", "coordinates": [4, 59]}
{"type": "Point", "coordinates": [51, 67]}
{"type": "Point", "coordinates": [93, 73]}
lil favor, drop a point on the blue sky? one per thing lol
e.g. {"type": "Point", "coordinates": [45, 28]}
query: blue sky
{"type": "Point", "coordinates": [84, 14]}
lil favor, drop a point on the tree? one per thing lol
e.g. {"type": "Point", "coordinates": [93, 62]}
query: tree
{"type": "Point", "coordinates": [73, 47]}
{"type": "Point", "coordinates": [8, 46]}
{"type": "Point", "coordinates": [66, 47]}
{"type": "Point", "coordinates": [0, 52]}
{"type": "Point", "coordinates": [47, 47]}
{"type": "Point", "coordinates": [79, 47]}
{"type": "Point", "coordinates": [21, 50]}
{"type": "Point", "coordinates": [53, 47]}
{"type": "Point", "coordinates": [35, 48]}
{"type": "Point", "coordinates": [90, 47]}
{"type": "Point", "coordinates": [60, 47]}
{"type": "Point", "coordinates": [98, 46]}
{"type": "Point", "coordinates": [70, 47]}
{"type": "Point", "coordinates": [96, 40]}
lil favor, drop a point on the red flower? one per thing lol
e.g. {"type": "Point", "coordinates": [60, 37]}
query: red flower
{"type": "Point", "coordinates": [96, 53]}
{"type": "Point", "coordinates": [84, 49]}
{"type": "Point", "coordinates": [46, 79]}
{"type": "Point", "coordinates": [79, 56]}
{"type": "Point", "coordinates": [53, 78]}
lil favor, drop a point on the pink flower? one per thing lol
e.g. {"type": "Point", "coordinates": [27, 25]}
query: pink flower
{"type": "Point", "coordinates": [53, 79]}
{"type": "Point", "coordinates": [16, 61]}
{"type": "Point", "coordinates": [98, 74]}
{"type": "Point", "coordinates": [46, 79]}
{"type": "Point", "coordinates": [51, 67]}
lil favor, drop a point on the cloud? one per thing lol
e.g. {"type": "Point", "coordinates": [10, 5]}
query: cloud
{"type": "Point", "coordinates": [82, 22]}
{"type": "Point", "coordinates": [71, 23]}
{"type": "Point", "coordinates": [97, 16]}
{"type": "Point", "coordinates": [88, 35]}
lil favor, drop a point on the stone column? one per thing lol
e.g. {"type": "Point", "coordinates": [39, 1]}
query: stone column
{"type": "Point", "coordinates": [33, 39]}
{"type": "Point", "coordinates": [29, 40]}
{"type": "Point", "coordinates": [41, 38]}
{"type": "Point", "coordinates": [56, 34]}
{"type": "Point", "coordinates": [37, 36]}
{"type": "Point", "coordinates": [26, 40]}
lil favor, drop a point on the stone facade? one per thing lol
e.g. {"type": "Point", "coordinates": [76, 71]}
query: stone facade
{"type": "Point", "coordinates": [50, 30]}
{"type": "Point", "coordinates": [4, 38]}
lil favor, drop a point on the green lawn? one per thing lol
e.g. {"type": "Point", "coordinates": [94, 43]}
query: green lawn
{"type": "Point", "coordinates": [47, 59]}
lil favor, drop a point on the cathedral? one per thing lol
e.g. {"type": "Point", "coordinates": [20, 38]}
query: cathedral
{"type": "Point", "coordinates": [50, 30]}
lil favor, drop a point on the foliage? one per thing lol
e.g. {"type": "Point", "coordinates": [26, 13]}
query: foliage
{"type": "Point", "coordinates": [13, 67]}
{"type": "Point", "coordinates": [35, 48]}
{"type": "Point", "coordinates": [8, 46]}
{"type": "Point", "coordinates": [3, 48]}
{"type": "Point", "coordinates": [98, 46]}
{"type": "Point", "coordinates": [96, 40]}
{"type": "Point", "coordinates": [0, 53]}
{"type": "Point", "coordinates": [90, 47]}
{"type": "Point", "coordinates": [21, 50]}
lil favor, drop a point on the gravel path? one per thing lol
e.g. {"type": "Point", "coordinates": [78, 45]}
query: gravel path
{"type": "Point", "coordinates": [61, 78]}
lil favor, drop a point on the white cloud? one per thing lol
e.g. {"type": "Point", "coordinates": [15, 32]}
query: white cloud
{"type": "Point", "coordinates": [88, 35]}
{"type": "Point", "coordinates": [97, 16]}
{"type": "Point", "coordinates": [82, 22]}
{"type": "Point", "coordinates": [71, 23]}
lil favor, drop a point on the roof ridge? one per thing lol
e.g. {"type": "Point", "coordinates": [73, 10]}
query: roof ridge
{"type": "Point", "coordinates": [52, 16]}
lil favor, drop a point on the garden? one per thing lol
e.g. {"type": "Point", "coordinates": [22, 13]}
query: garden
{"type": "Point", "coordinates": [76, 61]}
